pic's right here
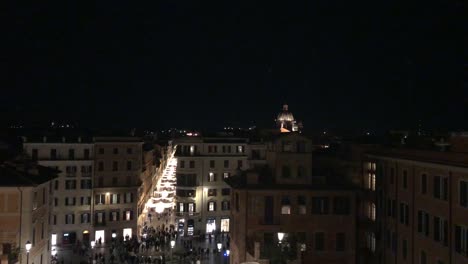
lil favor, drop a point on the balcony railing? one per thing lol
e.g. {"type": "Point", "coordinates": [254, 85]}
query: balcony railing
{"type": "Point", "coordinates": [182, 214]}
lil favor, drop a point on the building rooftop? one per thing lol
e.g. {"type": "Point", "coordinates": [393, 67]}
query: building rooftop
{"type": "Point", "coordinates": [19, 173]}
{"type": "Point", "coordinates": [429, 156]}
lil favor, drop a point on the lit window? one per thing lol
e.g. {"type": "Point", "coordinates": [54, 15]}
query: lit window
{"type": "Point", "coordinates": [181, 207]}
{"type": "Point", "coordinates": [226, 175]}
{"type": "Point", "coordinates": [211, 206]}
{"type": "Point", "coordinates": [371, 241]}
{"type": "Point", "coordinates": [372, 211]}
{"type": "Point", "coordinates": [285, 205]}
{"type": "Point", "coordinates": [211, 177]}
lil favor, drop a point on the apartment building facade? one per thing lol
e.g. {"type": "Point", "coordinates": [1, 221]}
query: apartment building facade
{"type": "Point", "coordinates": [25, 195]}
{"type": "Point", "coordinates": [202, 197]}
{"type": "Point", "coordinates": [417, 206]}
{"type": "Point", "coordinates": [72, 190]}
{"type": "Point", "coordinates": [317, 222]}
{"type": "Point", "coordinates": [119, 166]}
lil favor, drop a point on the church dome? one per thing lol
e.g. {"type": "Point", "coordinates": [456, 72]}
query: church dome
{"type": "Point", "coordinates": [285, 115]}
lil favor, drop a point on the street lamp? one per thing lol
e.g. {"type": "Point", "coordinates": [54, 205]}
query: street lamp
{"type": "Point", "coordinates": [280, 236]}
{"type": "Point", "coordinates": [28, 246]}
{"type": "Point", "coordinates": [93, 243]}
{"type": "Point", "coordinates": [219, 245]}
{"type": "Point", "coordinates": [172, 246]}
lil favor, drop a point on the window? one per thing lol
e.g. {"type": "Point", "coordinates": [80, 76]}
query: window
{"type": "Point", "coordinates": [226, 164]}
{"type": "Point", "coordinates": [100, 181]}
{"type": "Point", "coordinates": [371, 211]}
{"type": "Point", "coordinates": [225, 206]}
{"type": "Point", "coordinates": [319, 241]}
{"type": "Point", "coordinates": [115, 165]}
{"type": "Point", "coordinates": [115, 198]}
{"type": "Point", "coordinates": [404, 214]}
{"type": "Point", "coordinates": [211, 206]}
{"type": "Point", "coordinates": [114, 181]}
{"type": "Point", "coordinates": [394, 208]}
{"type": "Point", "coordinates": [55, 201]}
{"type": "Point", "coordinates": [461, 240]}
{"type": "Point", "coordinates": [212, 192]}
{"type": "Point", "coordinates": [463, 193]}
{"type": "Point", "coordinates": [116, 151]}
{"type": "Point", "coordinates": [129, 150]}
{"type": "Point", "coordinates": [114, 216]}
{"type": "Point", "coordinates": [181, 207]}
{"type": "Point", "coordinates": [423, 183]}
{"type": "Point", "coordinates": [319, 205]}
{"type": "Point", "coordinates": [101, 150]}
{"type": "Point", "coordinates": [53, 154]}
{"type": "Point", "coordinates": [441, 187]}
{"type": "Point", "coordinates": [69, 219]}
{"type": "Point", "coordinates": [239, 164]}
{"type": "Point", "coordinates": [56, 184]}
{"type": "Point", "coordinates": [192, 164]}
{"type": "Point", "coordinates": [85, 218]}
{"type": "Point", "coordinates": [441, 230]}
{"type": "Point", "coordinates": [225, 191]}
{"type": "Point", "coordinates": [54, 219]}
{"type": "Point", "coordinates": [70, 185]}
{"type": "Point", "coordinates": [85, 200]}
{"type": "Point", "coordinates": [240, 149]}
{"type": "Point", "coordinates": [129, 165]}
{"type": "Point", "coordinates": [285, 205]}
{"type": "Point", "coordinates": [341, 205]}
{"type": "Point", "coordinates": [422, 258]}
{"type": "Point", "coordinates": [286, 172]}
{"type": "Point", "coordinates": [100, 199]}
{"type": "Point", "coordinates": [371, 181]}
{"type": "Point", "coordinates": [340, 242]}
{"type": "Point", "coordinates": [370, 239]}
{"type": "Point", "coordinates": [211, 177]}
{"type": "Point", "coordinates": [128, 215]}
{"type": "Point", "coordinates": [301, 202]}
{"type": "Point", "coordinates": [212, 164]}
{"type": "Point", "coordinates": [100, 218]}
{"type": "Point", "coordinates": [100, 166]}
{"type": "Point", "coordinates": [226, 175]}
{"type": "Point", "coordinates": [423, 222]}
{"type": "Point", "coordinates": [70, 201]}
{"type": "Point", "coordinates": [85, 184]}
{"type": "Point", "coordinates": [182, 164]}
{"type": "Point", "coordinates": [405, 179]}
{"type": "Point", "coordinates": [128, 198]}
{"type": "Point", "coordinates": [191, 207]}
{"type": "Point", "coordinates": [404, 249]}
{"type": "Point", "coordinates": [86, 154]}
{"type": "Point", "coordinates": [71, 154]}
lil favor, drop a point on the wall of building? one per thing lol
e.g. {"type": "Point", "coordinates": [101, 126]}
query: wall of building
{"type": "Point", "coordinates": [78, 169]}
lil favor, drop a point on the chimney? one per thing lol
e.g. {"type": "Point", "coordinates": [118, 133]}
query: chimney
{"type": "Point", "coordinates": [79, 139]}
{"type": "Point", "coordinates": [44, 139]}
{"type": "Point", "coordinates": [63, 139]}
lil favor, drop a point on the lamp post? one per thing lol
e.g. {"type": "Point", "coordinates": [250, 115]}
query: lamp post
{"type": "Point", "coordinates": [172, 246]}
{"type": "Point", "coordinates": [28, 246]}
{"type": "Point", "coordinates": [219, 245]}
{"type": "Point", "coordinates": [280, 240]}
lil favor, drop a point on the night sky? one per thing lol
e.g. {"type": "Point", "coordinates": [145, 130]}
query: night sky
{"type": "Point", "coordinates": [369, 64]}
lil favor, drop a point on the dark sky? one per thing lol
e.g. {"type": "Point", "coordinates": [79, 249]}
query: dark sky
{"type": "Point", "coordinates": [197, 63]}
